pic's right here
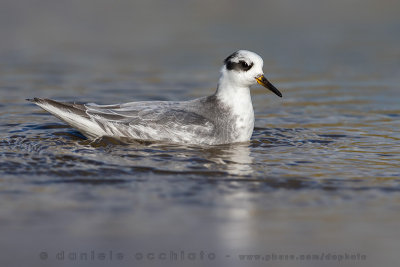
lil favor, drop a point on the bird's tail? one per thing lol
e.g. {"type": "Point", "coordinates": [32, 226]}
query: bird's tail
{"type": "Point", "coordinates": [73, 114]}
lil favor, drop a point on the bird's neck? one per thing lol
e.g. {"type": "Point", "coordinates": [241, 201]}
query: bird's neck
{"type": "Point", "coordinates": [238, 100]}
{"type": "Point", "coordinates": [236, 97]}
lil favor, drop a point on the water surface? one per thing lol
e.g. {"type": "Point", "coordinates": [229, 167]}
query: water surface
{"type": "Point", "coordinates": [320, 174]}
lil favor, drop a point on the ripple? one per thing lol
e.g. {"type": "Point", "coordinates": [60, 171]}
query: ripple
{"type": "Point", "coordinates": [83, 181]}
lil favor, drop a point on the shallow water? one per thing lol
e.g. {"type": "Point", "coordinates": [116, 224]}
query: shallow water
{"type": "Point", "coordinates": [320, 174]}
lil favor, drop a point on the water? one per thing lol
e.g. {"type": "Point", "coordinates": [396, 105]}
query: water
{"type": "Point", "coordinates": [320, 174]}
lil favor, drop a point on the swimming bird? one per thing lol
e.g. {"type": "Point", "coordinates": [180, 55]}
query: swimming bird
{"type": "Point", "coordinates": [225, 117]}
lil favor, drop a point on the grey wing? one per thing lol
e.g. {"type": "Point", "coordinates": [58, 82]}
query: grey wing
{"type": "Point", "coordinates": [169, 121]}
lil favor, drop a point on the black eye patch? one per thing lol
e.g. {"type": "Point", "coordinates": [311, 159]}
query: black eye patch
{"type": "Point", "coordinates": [239, 66]}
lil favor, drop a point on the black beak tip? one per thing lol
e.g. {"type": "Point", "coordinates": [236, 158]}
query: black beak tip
{"type": "Point", "coordinates": [274, 90]}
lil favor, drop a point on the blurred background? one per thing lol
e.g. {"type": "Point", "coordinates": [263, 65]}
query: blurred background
{"type": "Point", "coordinates": [311, 35]}
{"type": "Point", "coordinates": [320, 174]}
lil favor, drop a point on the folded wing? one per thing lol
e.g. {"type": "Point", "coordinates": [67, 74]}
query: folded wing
{"type": "Point", "coordinates": [164, 121]}
{"type": "Point", "coordinates": [168, 121]}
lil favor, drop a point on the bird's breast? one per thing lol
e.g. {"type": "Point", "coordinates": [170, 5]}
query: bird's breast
{"type": "Point", "coordinates": [244, 125]}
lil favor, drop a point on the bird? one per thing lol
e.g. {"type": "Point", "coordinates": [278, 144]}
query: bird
{"type": "Point", "coordinates": [225, 117]}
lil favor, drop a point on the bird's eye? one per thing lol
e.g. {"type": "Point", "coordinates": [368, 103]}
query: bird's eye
{"type": "Point", "coordinates": [244, 64]}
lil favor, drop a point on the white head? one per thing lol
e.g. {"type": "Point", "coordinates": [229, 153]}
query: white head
{"type": "Point", "coordinates": [243, 69]}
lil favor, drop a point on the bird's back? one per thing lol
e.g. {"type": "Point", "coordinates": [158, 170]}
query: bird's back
{"type": "Point", "coordinates": [196, 122]}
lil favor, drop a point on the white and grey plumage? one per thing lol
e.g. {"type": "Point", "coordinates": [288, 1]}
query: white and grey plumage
{"type": "Point", "coordinates": [224, 117]}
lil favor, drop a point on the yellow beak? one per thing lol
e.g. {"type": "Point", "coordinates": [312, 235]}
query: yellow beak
{"type": "Point", "coordinates": [264, 82]}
